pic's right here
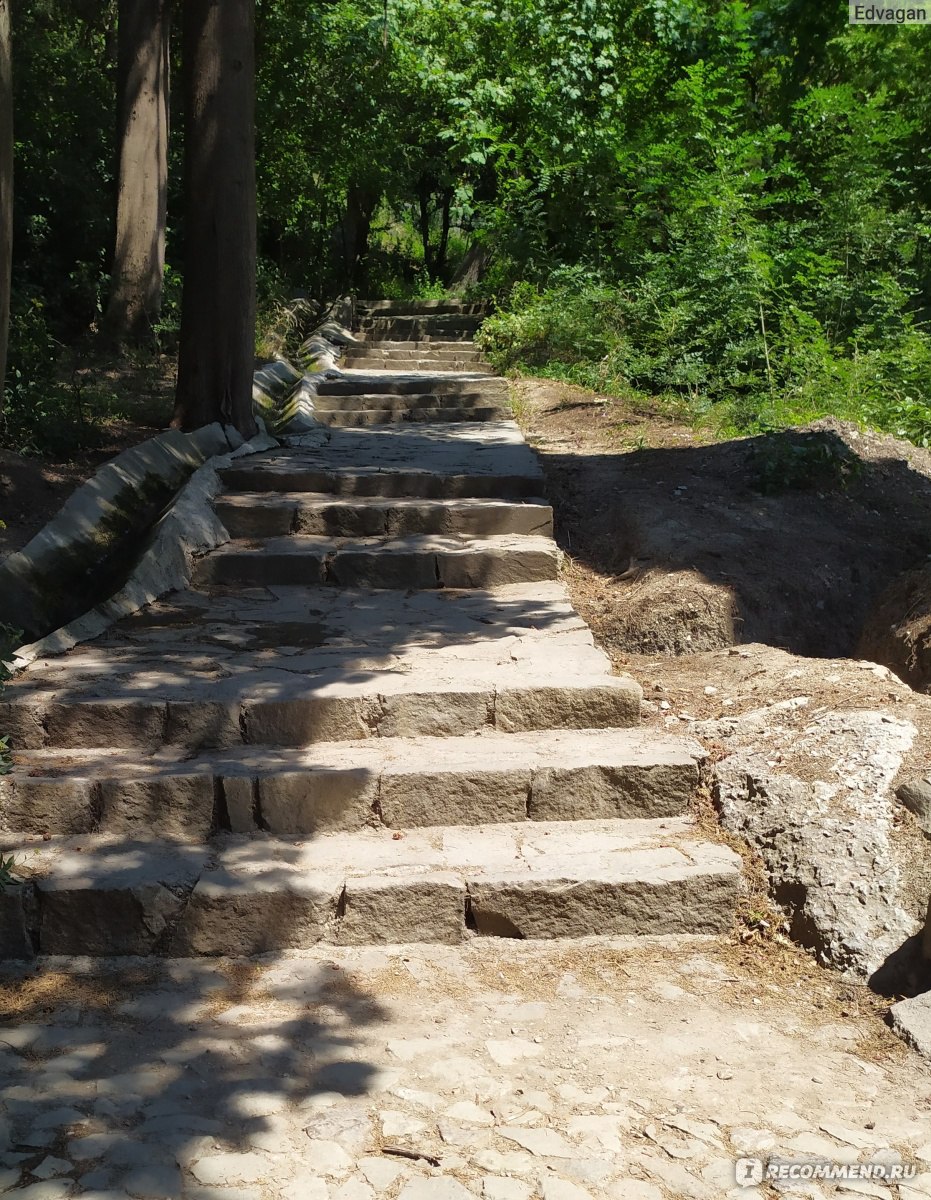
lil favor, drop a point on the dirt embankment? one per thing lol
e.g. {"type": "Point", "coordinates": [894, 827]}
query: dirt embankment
{"type": "Point", "coordinates": [119, 405]}
{"type": "Point", "coordinates": [737, 581]}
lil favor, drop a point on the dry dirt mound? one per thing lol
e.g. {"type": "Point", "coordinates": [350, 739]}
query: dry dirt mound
{"type": "Point", "coordinates": [787, 539]}
{"type": "Point", "coordinates": [898, 631]}
{"type": "Point", "coordinates": [681, 550]}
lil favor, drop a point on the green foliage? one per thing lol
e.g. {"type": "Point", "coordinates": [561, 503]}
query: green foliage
{"type": "Point", "coordinates": [766, 254]}
{"type": "Point", "coordinates": [7, 868]}
{"type": "Point", "coordinates": [801, 461]}
{"type": "Point", "coordinates": [726, 203]}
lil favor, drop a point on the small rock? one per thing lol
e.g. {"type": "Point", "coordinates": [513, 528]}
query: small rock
{"type": "Point", "coordinates": [554, 1188]}
{"type": "Point", "coordinates": [911, 1020]}
{"type": "Point", "coordinates": [328, 1158]}
{"type": "Point", "coordinates": [353, 1189]}
{"type": "Point", "coordinates": [158, 1181]}
{"type": "Point", "coordinates": [306, 1187]}
{"type": "Point", "coordinates": [434, 1189]}
{"type": "Point", "coordinates": [220, 1169]}
{"type": "Point", "coordinates": [506, 1053]}
{"type": "Point", "coordinates": [381, 1173]}
{"type": "Point", "coordinates": [472, 1114]}
{"type": "Point", "coordinates": [497, 1187]}
{"type": "Point", "coordinates": [544, 1143]}
{"type": "Point", "coordinates": [49, 1167]}
{"type": "Point", "coordinates": [399, 1124]}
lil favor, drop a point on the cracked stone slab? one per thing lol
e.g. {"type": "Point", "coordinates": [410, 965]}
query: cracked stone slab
{"type": "Point", "coordinates": [407, 401]}
{"type": "Point", "coordinates": [107, 897]}
{"type": "Point", "coordinates": [478, 458]}
{"type": "Point", "coordinates": [261, 894]}
{"type": "Point", "coordinates": [256, 514]}
{"type": "Point", "coordinates": [288, 665]}
{"type": "Point", "coordinates": [415, 561]}
{"type": "Point", "coordinates": [402, 782]}
{"type": "Point", "coordinates": [357, 418]}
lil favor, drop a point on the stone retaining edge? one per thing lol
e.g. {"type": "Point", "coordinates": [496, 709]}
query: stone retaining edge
{"type": "Point", "coordinates": [185, 464]}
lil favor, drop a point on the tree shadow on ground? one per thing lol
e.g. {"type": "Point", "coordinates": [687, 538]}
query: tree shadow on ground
{"type": "Point", "coordinates": [136, 1070]}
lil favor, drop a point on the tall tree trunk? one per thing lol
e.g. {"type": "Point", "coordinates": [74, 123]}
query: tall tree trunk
{"type": "Point", "coordinates": [361, 203]}
{"type": "Point", "coordinates": [6, 181]}
{"type": "Point", "coordinates": [423, 198]}
{"type": "Point", "coordinates": [142, 171]}
{"type": "Point", "coordinates": [443, 248]}
{"type": "Point", "coordinates": [217, 351]}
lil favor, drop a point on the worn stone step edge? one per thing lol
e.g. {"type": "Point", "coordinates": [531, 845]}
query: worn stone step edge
{"type": "Point", "coordinates": [322, 712]}
{"type": "Point", "coordinates": [259, 514]}
{"type": "Point", "coordinates": [403, 383]}
{"type": "Point", "coordinates": [402, 483]}
{"type": "Point", "coordinates": [402, 783]}
{"type": "Point", "coordinates": [408, 352]}
{"type": "Point", "coordinates": [385, 400]}
{"type": "Point", "coordinates": [359, 418]}
{"type": "Point", "coordinates": [371, 363]}
{"type": "Point", "coordinates": [413, 345]}
{"type": "Point", "coordinates": [415, 561]}
{"type": "Point", "coordinates": [247, 896]}
{"type": "Point", "coordinates": [416, 307]}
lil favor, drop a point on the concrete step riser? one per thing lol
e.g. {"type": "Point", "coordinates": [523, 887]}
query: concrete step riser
{"type": "Point", "coordinates": [264, 896]}
{"type": "Point", "coordinates": [412, 349]}
{"type": "Point", "coordinates": [372, 568]}
{"type": "Point", "coordinates": [392, 385]}
{"type": "Point", "coordinates": [435, 320]}
{"type": "Point", "coordinates": [419, 485]}
{"type": "Point", "coordinates": [308, 719]}
{"type": "Point", "coordinates": [401, 330]}
{"type": "Point", "coordinates": [418, 364]}
{"type": "Point", "coordinates": [215, 920]}
{"type": "Point", "coordinates": [368, 520]}
{"type": "Point", "coordinates": [419, 308]}
{"type": "Point", "coordinates": [402, 403]}
{"type": "Point", "coordinates": [359, 418]}
{"type": "Point", "coordinates": [191, 807]}
{"type": "Point", "coordinates": [425, 346]}
{"type": "Point", "coordinates": [354, 353]}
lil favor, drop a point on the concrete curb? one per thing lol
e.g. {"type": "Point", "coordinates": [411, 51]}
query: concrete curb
{"type": "Point", "coordinates": [284, 394]}
{"type": "Point", "coordinates": [188, 528]}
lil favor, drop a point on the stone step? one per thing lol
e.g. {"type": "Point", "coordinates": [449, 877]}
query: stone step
{"type": "Point", "coordinates": [423, 460]}
{"type": "Point", "coordinates": [244, 896]}
{"type": "Point", "coordinates": [396, 383]}
{"type": "Point", "coordinates": [416, 561]}
{"type": "Point", "coordinates": [398, 783]}
{"type": "Point", "coordinates": [414, 345]}
{"type": "Point", "coordinates": [450, 328]}
{"type": "Point", "coordinates": [405, 351]}
{"type": "Point", "coordinates": [420, 307]}
{"type": "Point", "coordinates": [357, 418]}
{"type": "Point", "coordinates": [372, 363]}
{"type": "Point", "coordinates": [440, 359]}
{"type": "Point", "coordinates": [296, 666]}
{"type": "Point", "coordinates": [324, 402]}
{"type": "Point", "coordinates": [262, 514]}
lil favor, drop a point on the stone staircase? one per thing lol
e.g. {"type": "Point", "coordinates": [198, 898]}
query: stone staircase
{"type": "Point", "coordinates": [373, 717]}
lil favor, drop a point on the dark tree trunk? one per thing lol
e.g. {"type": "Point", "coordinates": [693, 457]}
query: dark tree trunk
{"type": "Point", "coordinates": [361, 203]}
{"type": "Point", "coordinates": [443, 247]}
{"type": "Point", "coordinates": [423, 198]}
{"type": "Point", "coordinates": [142, 168]}
{"type": "Point", "coordinates": [217, 351]}
{"type": "Point", "coordinates": [6, 181]}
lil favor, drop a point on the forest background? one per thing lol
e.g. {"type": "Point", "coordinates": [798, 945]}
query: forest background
{"type": "Point", "coordinates": [720, 206]}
